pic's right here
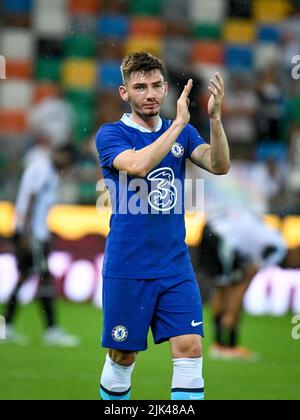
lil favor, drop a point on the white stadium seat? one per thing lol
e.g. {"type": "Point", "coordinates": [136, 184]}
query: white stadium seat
{"type": "Point", "coordinates": [16, 95]}
{"type": "Point", "coordinates": [212, 11]}
{"type": "Point", "coordinates": [17, 44]}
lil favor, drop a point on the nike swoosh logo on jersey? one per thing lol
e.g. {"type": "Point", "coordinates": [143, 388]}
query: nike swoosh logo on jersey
{"type": "Point", "coordinates": [196, 324]}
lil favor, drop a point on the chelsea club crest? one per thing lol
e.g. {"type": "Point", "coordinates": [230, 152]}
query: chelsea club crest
{"type": "Point", "coordinates": [120, 333]}
{"type": "Point", "coordinates": [177, 150]}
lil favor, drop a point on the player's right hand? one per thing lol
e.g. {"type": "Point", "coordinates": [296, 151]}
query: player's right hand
{"type": "Point", "coordinates": [183, 114]}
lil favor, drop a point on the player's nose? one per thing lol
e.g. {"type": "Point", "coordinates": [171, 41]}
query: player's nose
{"type": "Point", "coordinates": [151, 94]}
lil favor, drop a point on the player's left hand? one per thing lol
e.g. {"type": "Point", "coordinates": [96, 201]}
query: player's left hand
{"type": "Point", "coordinates": [216, 87]}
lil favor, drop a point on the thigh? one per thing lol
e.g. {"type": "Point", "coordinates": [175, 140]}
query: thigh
{"type": "Point", "coordinates": [179, 310]}
{"type": "Point", "coordinates": [128, 308]}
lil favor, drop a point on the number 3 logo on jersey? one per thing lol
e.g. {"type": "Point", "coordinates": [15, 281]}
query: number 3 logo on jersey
{"type": "Point", "coordinates": [164, 198]}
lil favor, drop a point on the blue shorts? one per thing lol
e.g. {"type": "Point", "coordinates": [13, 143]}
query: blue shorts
{"type": "Point", "coordinates": [171, 306]}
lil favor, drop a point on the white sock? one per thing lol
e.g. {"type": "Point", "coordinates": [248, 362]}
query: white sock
{"type": "Point", "coordinates": [188, 382]}
{"type": "Point", "coordinates": [115, 379]}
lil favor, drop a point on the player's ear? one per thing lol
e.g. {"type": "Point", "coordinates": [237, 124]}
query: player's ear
{"type": "Point", "coordinates": [124, 93]}
{"type": "Point", "coordinates": [166, 84]}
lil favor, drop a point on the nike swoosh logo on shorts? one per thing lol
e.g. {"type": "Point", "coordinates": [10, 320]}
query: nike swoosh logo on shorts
{"type": "Point", "coordinates": [196, 324]}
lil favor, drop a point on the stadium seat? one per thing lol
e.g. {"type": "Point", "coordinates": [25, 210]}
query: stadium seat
{"type": "Point", "coordinates": [176, 50]}
{"type": "Point", "coordinates": [213, 11]}
{"type": "Point", "coordinates": [268, 33]}
{"type": "Point", "coordinates": [89, 7]}
{"type": "Point", "coordinates": [207, 31]}
{"type": "Point", "coordinates": [109, 75]}
{"type": "Point", "coordinates": [268, 54]}
{"type": "Point", "coordinates": [48, 69]}
{"type": "Point", "coordinates": [17, 6]}
{"type": "Point", "coordinates": [153, 45]}
{"type": "Point", "coordinates": [19, 69]}
{"type": "Point", "coordinates": [205, 73]}
{"type": "Point", "coordinates": [44, 90]}
{"type": "Point", "coordinates": [13, 122]}
{"type": "Point", "coordinates": [239, 9]}
{"type": "Point", "coordinates": [177, 12]}
{"type": "Point", "coordinates": [271, 11]}
{"type": "Point", "coordinates": [80, 46]}
{"type": "Point", "coordinates": [146, 26]}
{"type": "Point", "coordinates": [294, 109]}
{"type": "Point", "coordinates": [239, 57]}
{"type": "Point", "coordinates": [49, 48]}
{"type": "Point", "coordinates": [17, 44]}
{"type": "Point", "coordinates": [277, 151]}
{"type": "Point", "coordinates": [16, 95]}
{"type": "Point", "coordinates": [84, 123]}
{"type": "Point", "coordinates": [208, 53]}
{"type": "Point", "coordinates": [83, 24]}
{"type": "Point", "coordinates": [146, 7]}
{"type": "Point", "coordinates": [50, 19]}
{"type": "Point", "coordinates": [239, 31]}
{"type": "Point", "coordinates": [82, 98]}
{"type": "Point", "coordinates": [113, 26]}
{"type": "Point", "coordinates": [79, 74]}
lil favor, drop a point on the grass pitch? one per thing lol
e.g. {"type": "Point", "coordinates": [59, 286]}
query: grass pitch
{"type": "Point", "coordinates": [36, 372]}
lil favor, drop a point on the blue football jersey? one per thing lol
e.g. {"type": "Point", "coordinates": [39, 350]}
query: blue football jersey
{"type": "Point", "coordinates": [147, 236]}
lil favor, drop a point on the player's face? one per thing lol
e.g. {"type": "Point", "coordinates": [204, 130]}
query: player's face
{"type": "Point", "coordinates": [146, 93]}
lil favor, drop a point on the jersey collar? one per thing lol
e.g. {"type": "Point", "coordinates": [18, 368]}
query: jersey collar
{"type": "Point", "coordinates": [127, 120]}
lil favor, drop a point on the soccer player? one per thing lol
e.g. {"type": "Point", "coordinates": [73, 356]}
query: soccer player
{"type": "Point", "coordinates": [37, 194]}
{"type": "Point", "coordinates": [148, 278]}
{"type": "Point", "coordinates": [236, 245]}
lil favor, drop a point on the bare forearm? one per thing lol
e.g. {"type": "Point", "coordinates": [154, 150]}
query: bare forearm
{"type": "Point", "coordinates": [219, 150]}
{"type": "Point", "coordinates": [149, 157]}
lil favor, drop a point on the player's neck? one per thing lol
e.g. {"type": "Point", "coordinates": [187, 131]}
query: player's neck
{"type": "Point", "coordinates": [150, 123]}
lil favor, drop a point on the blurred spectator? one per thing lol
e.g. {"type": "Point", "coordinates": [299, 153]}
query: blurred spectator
{"type": "Point", "coordinates": [249, 184]}
{"type": "Point", "coordinates": [241, 104]}
{"type": "Point", "coordinates": [272, 105]}
{"type": "Point", "coordinates": [53, 118]}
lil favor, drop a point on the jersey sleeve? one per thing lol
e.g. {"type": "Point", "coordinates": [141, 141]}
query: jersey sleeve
{"type": "Point", "coordinates": [111, 142]}
{"type": "Point", "coordinates": [194, 140]}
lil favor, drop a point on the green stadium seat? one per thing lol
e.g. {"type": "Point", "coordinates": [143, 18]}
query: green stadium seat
{"type": "Point", "coordinates": [48, 69]}
{"type": "Point", "coordinates": [81, 98]}
{"type": "Point", "coordinates": [207, 31]}
{"type": "Point", "coordinates": [294, 110]}
{"type": "Point", "coordinates": [84, 123]}
{"type": "Point", "coordinates": [83, 46]}
{"type": "Point", "coordinates": [146, 7]}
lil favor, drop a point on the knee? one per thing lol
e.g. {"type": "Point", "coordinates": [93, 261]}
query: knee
{"type": "Point", "coordinates": [122, 358]}
{"type": "Point", "coordinates": [189, 348]}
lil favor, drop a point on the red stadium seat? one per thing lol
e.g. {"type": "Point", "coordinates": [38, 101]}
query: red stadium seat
{"type": "Point", "coordinates": [17, 69]}
{"type": "Point", "coordinates": [13, 122]}
{"type": "Point", "coordinates": [146, 26]}
{"type": "Point", "coordinates": [45, 90]}
{"type": "Point", "coordinates": [208, 53]}
{"type": "Point", "coordinates": [86, 7]}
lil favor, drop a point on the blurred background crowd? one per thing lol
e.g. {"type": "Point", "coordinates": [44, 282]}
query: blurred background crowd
{"type": "Point", "coordinates": [63, 72]}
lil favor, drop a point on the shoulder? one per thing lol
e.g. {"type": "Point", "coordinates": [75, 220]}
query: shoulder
{"type": "Point", "coordinates": [40, 166]}
{"type": "Point", "coordinates": [110, 129]}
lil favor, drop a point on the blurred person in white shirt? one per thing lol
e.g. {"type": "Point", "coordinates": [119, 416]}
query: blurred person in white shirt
{"type": "Point", "coordinates": [37, 194]}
